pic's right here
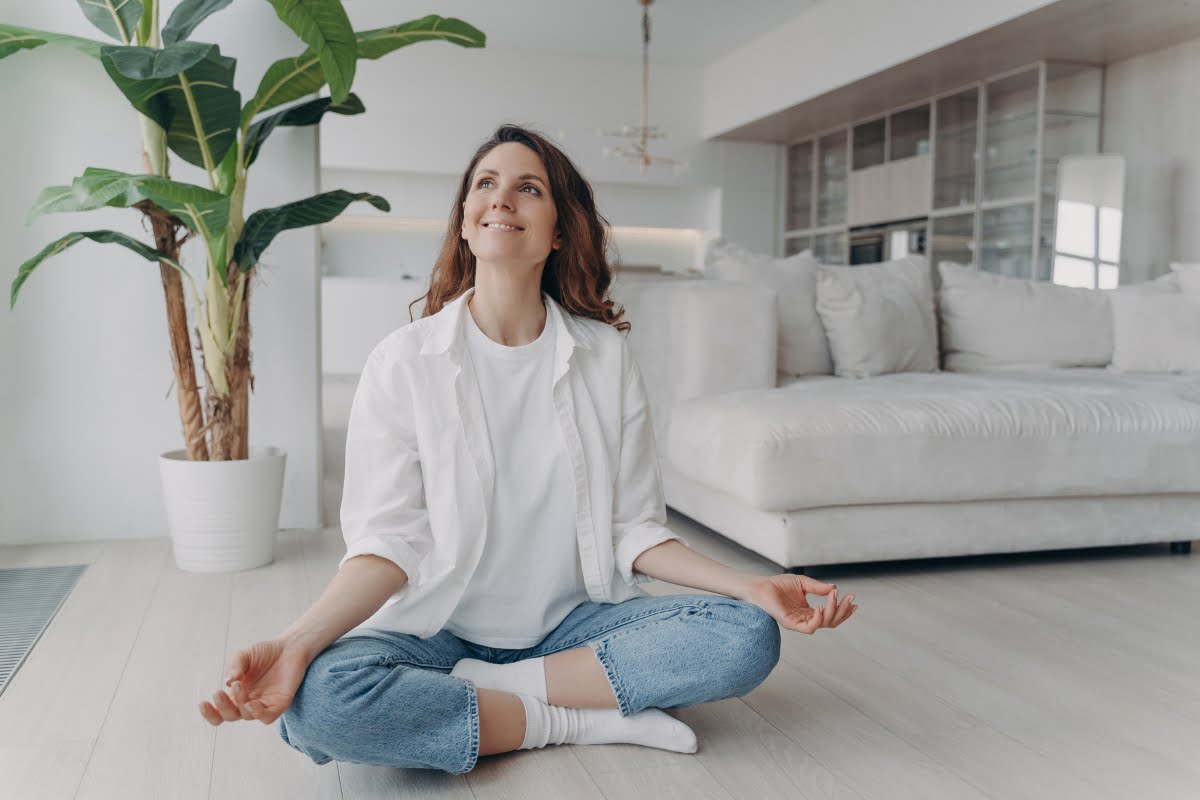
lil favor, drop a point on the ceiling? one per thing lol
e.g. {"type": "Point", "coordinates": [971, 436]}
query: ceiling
{"type": "Point", "coordinates": [683, 32]}
{"type": "Point", "coordinates": [1086, 31]}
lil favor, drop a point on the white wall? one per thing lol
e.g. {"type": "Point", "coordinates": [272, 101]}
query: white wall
{"type": "Point", "coordinates": [86, 395]}
{"type": "Point", "coordinates": [430, 106]}
{"type": "Point", "coordinates": [1152, 117]}
{"type": "Point", "coordinates": [834, 43]}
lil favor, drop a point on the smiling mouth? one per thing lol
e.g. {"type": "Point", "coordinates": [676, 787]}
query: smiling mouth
{"type": "Point", "coordinates": [499, 226]}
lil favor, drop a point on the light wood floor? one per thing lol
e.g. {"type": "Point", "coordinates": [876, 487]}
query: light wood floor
{"type": "Point", "coordinates": [1069, 674]}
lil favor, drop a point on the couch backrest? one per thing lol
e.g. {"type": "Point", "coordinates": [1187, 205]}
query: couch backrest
{"type": "Point", "coordinates": [699, 337]}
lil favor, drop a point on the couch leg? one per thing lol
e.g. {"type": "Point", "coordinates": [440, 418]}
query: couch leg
{"type": "Point", "coordinates": [1181, 547]}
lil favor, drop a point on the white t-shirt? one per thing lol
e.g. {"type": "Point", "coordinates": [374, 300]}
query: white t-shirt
{"type": "Point", "coordinates": [529, 575]}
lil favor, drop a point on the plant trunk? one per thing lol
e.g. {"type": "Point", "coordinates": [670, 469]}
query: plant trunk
{"type": "Point", "coordinates": [229, 415]}
{"type": "Point", "coordinates": [186, 391]}
{"type": "Point", "coordinates": [241, 379]}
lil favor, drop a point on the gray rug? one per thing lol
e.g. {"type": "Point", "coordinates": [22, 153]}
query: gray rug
{"type": "Point", "coordinates": [29, 599]}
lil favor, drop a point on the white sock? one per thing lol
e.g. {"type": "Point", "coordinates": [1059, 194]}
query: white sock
{"type": "Point", "coordinates": [519, 677]}
{"type": "Point", "coordinates": [547, 724]}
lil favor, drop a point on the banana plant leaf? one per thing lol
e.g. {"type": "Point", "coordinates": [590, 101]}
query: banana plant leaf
{"type": "Point", "coordinates": [14, 38]}
{"type": "Point", "coordinates": [187, 88]}
{"type": "Point", "coordinates": [118, 18]}
{"type": "Point", "coordinates": [309, 113]}
{"type": "Point", "coordinates": [265, 224]}
{"type": "Point", "coordinates": [202, 210]}
{"type": "Point", "coordinates": [104, 237]}
{"type": "Point", "coordinates": [325, 28]}
{"type": "Point", "coordinates": [186, 16]}
{"type": "Point", "coordinates": [292, 78]}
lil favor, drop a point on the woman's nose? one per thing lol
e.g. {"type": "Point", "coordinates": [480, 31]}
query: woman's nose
{"type": "Point", "coordinates": [502, 197]}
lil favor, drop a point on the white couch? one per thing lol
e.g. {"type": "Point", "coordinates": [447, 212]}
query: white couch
{"type": "Point", "coordinates": [822, 470]}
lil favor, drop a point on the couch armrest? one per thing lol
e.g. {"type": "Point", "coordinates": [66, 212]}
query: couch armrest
{"type": "Point", "coordinates": [699, 337]}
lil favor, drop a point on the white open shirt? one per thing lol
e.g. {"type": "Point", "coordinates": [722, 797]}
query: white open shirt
{"type": "Point", "coordinates": [420, 471]}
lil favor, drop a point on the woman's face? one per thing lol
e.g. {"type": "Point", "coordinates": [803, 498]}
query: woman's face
{"type": "Point", "coordinates": [509, 215]}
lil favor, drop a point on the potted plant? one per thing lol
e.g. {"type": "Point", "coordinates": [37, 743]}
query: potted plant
{"type": "Point", "coordinates": [222, 496]}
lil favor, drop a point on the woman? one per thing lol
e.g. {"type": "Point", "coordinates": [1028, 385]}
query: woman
{"type": "Point", "coordinates": [464, 619]}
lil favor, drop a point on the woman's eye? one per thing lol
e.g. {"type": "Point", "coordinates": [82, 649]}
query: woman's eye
{"type": "Point", "coordinates": [488, 182]}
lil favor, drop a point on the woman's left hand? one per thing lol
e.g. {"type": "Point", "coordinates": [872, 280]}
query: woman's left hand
{"type": "Point", "coordinates": [784, 597]}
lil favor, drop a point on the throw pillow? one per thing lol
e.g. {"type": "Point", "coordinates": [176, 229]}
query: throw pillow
{"type": "Point", "coordinates": [1163, 284]}
{"type": "Point", "coordinates": [1188, 275]}
{"type": "Point", "coordinates": [1156, 332]}
{"type": "Point", "coordinates": [991, 321]}
{"type": "Point", "coordinates": [802, 346]}
{"type": "Point", "coordinates": [879, 318]}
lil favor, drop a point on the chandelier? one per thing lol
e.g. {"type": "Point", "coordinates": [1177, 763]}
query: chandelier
{"type": "Point", "coordinates": [634, 146]}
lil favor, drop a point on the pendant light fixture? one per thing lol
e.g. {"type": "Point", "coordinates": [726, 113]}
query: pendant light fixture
{"type": "Point", "coordinates": [634, 147]}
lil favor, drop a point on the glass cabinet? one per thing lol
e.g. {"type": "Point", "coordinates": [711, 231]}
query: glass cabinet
{"type": "Point", "coordinates": [870, 139]}
{"type": "Point", "coordinates": [1011, 137]}
{"type": "Point", "coordinates": [831, 248]}
{"type": "Point", "coordinates": [1006, 240]}
{"type": "Point", "coordinates": [796, 244]}
{"type": "Point", "coordinates": [990, 177]}
{"type": "Point", "coordinates": [799, 187]}
{"type": "Point", "coordinates": [832, 168]}
{"type": "Point", "coordinates": [956, 151]}
{"type": "Point", "coordinates": [909, 134]}
{"type": "Point", "coordinates": [952, 238]}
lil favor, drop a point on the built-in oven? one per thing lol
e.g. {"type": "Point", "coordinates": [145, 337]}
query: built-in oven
{"type": "Point", "coordinates": [875, 243]}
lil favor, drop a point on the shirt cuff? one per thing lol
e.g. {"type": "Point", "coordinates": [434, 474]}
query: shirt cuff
{"type": "Point", "coordinates": [636, 541]}
{"type": "Point", "coordinates": [394, 549]}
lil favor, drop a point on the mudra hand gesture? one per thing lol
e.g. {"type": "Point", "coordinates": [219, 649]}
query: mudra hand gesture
{"type": "Point", "coordinates": [262, 680]}
{"type": "Point", "coordinates": [784, 597]}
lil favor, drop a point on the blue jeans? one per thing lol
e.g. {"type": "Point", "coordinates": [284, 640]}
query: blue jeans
{"type": "Point", "coordinates": [388, 699]}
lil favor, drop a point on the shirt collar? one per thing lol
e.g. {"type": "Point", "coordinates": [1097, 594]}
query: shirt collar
{"type": "Point", "coordinates": [447, 331]}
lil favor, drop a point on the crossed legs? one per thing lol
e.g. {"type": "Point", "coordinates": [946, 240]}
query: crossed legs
{"type": "Point", "coordinates": [574, 679]}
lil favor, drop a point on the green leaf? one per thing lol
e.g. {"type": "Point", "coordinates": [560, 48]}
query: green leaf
{"type": "Point", "coordinates": [324, 26]}
{"type": "Point", "coordinates": [13, 38]}
{"type": "Point", "coordinates": [186, 16]}
{"type": "Point", "coordinates": [187, 89]}
{"type": "Point", "coordinates": [292, 78]}
{"type": "Point", "coordinates": [265, 224]}
{"type": "Point", "coordinates": [118, 18]}
{"type": "Point", "coordinates": [204, 211]}
{"type": "Point", "coordinates": [381, 41]}
{"type": "Point", "coordinates": [104, 237]}
{"type": "Point", "coordinates": [309, 113]}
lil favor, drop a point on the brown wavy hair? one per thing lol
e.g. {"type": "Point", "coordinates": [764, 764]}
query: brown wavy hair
{"type": "Point", "coordinates": [577, 275]}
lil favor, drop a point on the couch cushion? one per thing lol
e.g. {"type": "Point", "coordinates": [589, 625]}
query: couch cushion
{"type": "Point", "coordinates": [1156, 332]}
{"type": "Point", "coordinates": [1188, 276]}
{"type": "Point", "coordinates": [802, 346]}
{"type": "Point", "coordinates": [879, 318]}
{"type": "Point", "coordinates": [698, 337]}
{"type": "Point", "coordinates": [931, 437]}
{"type": "Point", "coordinates": [990, 321]}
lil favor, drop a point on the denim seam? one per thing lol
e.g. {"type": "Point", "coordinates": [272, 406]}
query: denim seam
{"type": "Point", "coordinates": [472, 755]}
{"type": "Point", "coordinates": [599, 647]}
{"type": "Point", "coordinates": [614, 634]}
{"type": "Point", "coordinates": [400, 658]}
{"type": "Point", "coordinates": [702, 605]}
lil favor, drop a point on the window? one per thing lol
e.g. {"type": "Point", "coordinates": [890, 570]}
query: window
{"type": "Point", "coordinates": [1087, 241]}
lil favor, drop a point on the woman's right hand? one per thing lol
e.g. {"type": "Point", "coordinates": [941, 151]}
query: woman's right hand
{"type": "Point", "coordinates": [262, 680]}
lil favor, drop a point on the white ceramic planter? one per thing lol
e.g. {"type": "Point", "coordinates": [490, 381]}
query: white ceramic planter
{"type": "Point", "coordinates": [223, 515]}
